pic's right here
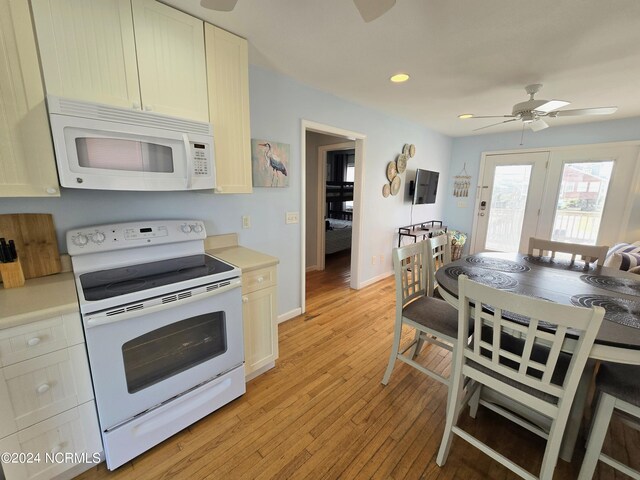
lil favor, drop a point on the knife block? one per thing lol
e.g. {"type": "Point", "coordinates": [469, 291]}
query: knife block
{"type": "Point", "coordinates": [12, 274]}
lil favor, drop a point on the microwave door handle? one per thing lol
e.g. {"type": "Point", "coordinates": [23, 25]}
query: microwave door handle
{"type": "Point", "coordinates": [189, 160]}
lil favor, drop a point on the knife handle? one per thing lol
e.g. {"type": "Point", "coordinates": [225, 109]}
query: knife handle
{"type": "Point", "coordinates": [12, 250]}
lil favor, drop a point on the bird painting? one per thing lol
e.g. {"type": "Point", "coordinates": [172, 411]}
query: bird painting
{"type": "Point", "coordinates": [270, 163]}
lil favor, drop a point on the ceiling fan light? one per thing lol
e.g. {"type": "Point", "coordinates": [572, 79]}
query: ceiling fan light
{"type": "Point", "coordinates": [399, 77]}
{"type": "Point", "coordinates": [464, 116]}
{"type": "Point", "coordinates": [538, 125]}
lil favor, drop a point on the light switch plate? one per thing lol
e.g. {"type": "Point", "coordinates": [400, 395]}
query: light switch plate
{"type": "Point", "coordinates": [292, 217]}
{"type": "Point", "coordinates": [246, 221]}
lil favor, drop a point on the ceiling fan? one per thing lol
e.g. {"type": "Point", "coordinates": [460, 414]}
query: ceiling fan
{"type": "Point", "coordinates": [369, 9]}
{"type": "Point", "coordinates": [532, 111]}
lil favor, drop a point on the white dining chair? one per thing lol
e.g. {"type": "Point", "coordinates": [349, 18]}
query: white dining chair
{"type": "Point", "coordinates": [433, 319]}
{"type": "Point", "coordinates": [439, 249]}
{"type": "Point", "coordinates": [589, 253]}
{"type": "Point", "coordinates": [619, 387]}
{"type": "Point", "coordinates": [520, 360]}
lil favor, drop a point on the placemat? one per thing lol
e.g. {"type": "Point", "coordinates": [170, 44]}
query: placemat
{"type": "Point", "coordinates": [563, 264]}
{"type": "Point", "coordinates": [613, 284]}
{"type": "Point", "coordinates": [619, 310]}
{"type": "Point", "coordinates": [497, 264]}
{"type": "Point", "coordinates": [482, 275]}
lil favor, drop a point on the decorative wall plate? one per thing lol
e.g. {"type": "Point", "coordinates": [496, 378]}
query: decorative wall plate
{"type": "Point", "coordinates": [386, 189]}
{"type": "Point", "coordinates": [392, 171]}
{"type": "Point", "coordinates": [401, 163]}
{"type": "Point", "coordinates": [412, 150]}
{"type": "Point", "coordinates": [395, 186]}
{"type": "Point", "coordinates": [406, 148]}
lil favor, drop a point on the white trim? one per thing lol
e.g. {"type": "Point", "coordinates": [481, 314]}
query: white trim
{"type": "Point", "coordinates": [260, 371]}
{"type": "Point", "coordinates": [322, 195]}
{"type": "Point", "coordinates": [376, 279]}
{"type": "Point", "coordinates": [312, 268]}
{"type": "Point", "coordinates": [307, 125]}
{"type": "Point", "coordinates": [283, 317]}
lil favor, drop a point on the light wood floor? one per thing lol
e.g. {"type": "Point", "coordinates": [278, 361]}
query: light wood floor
{"type": "Point", "coordinates": [323, 414]}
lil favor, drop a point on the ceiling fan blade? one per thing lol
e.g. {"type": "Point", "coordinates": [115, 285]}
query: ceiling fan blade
{"type": "Point", "coordinates": [219, 5]}
{"type": "Point", "coordinates": [372, 9]}
{"type": "Point", "coordinates": [538, 125]}
{"type": "Point", "coordinates": [585, 111]}
{"type": "Point", "coordinates": [551, 105]}
{"type": "Point", "coordinates": [493, 116]}
{"type": "Point", "coordinates": [494, 124]}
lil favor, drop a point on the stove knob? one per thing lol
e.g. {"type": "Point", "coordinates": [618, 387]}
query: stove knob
{"type": "Point", "coordinates": [197, 228]}
{"type": "Point", "coordinates": [80, 240]}
{"type": "Point", "coordinates": [185, 228]}
{"type": "Point", "coordinates": [98, 237]}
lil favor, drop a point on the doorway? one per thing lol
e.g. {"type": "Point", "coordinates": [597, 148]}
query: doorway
{"type": "Point", "coordinates": [314, 136]}
{"type": "Point", "coordinates": [573, 194]}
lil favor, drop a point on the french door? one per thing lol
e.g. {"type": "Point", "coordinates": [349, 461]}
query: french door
{"type": "Point", "coordinates": [575, 195]}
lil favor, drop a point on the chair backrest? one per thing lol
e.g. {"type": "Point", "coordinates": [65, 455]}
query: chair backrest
{"type": "Point", "coordinates": [534, 371]}
{"type": "Point", "coordinates": [410, 267]}
{"type": "Point", "coordinates": [589, 253]}
{"type": "Point", "coordinates": [438, 255]}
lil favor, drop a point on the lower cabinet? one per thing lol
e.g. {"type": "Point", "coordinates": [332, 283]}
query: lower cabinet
{"type": "Point", "coordinates": [259, 311]}
{"type": "Point", "coordinates": [48, 420]}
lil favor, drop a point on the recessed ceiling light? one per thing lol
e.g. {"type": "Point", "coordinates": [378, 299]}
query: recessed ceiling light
{"type": "Point", "coordinates": [465, 115]}
{"type": "Point", "coordinates": [399, 78]}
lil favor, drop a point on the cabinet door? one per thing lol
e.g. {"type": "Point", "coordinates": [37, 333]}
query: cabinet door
{"type": "Point", "coordinates": [228, 82]}
{"type": "Point", "coordinates": [260, 328]}
{"type": "Point", "coordinates": [88, 50]}
{"type": "Point", "coordinates": [27, 164]}
{"type": "Point", "coordinates": [171, 60]}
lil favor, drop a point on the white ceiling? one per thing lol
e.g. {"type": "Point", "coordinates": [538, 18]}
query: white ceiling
{"type": "Point", "coordinates": [464, 56]}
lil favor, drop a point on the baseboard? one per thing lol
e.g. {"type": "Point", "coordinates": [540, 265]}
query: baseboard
{"type": "Point", "coordinates": [373, 280]}
{"type": "Point", "coordinates": [260, 371]}
{"type": "Point", "coordinates": [289, 315]}
{"type": "Point", "coordinates": [312, 268]}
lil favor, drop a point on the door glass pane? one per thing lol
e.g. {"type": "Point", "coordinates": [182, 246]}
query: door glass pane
{"type": "Point", "coordinates": [583, 191]}
{"type": "Point", "coordinates": [508, 202]}
{"type": "Point", "coordinates": [128, 155]}
{"type": "Point", "coordinates": [169, 350]}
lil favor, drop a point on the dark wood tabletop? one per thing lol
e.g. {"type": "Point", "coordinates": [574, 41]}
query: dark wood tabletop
{"type": "Point", "coordinates": [561, 282]}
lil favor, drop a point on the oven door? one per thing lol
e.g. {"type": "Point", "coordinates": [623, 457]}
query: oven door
{"type": "Point", "coordinates": [140, 359]}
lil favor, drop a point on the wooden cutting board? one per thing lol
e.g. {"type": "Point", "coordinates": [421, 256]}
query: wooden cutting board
{"type": "Point", "coordinates": [36, 242]}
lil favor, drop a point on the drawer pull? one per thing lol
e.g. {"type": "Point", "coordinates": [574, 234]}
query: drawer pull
{"type": "Point", "coordinates": [32, 342]}
{"type": "Point", "coordinates": [57, 449]}
{"type": "Point", "coordinates": [43, 388]}
{"type": "Point", "coordinates": [260, 279]}
{"type": "Point", "coordinates": [245, 299]}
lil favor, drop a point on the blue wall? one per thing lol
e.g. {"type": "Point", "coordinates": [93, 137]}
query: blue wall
{"type": "Point", "coordinates": [278, 104]}
{"type": "Point", "coordinates": [469, 150]}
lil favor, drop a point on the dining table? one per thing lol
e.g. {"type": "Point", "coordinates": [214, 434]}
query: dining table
{"type": "Point", "coordinates": [563, 281]}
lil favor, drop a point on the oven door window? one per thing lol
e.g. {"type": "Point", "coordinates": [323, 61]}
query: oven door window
{"type": "Point", "coordinates": [167, 351]}
{"type": "Point", "coordinates": [128, 155]}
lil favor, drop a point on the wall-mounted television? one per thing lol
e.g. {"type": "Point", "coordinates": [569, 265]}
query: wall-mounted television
{"type": "Point", "coordinates": [425, 187]}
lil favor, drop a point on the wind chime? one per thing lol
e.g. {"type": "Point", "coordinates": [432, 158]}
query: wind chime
{"type": "Point", "coordinates": [461, 183]}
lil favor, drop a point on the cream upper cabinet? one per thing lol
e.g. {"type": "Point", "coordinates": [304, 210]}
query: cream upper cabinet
{"type": "Point", "coordinates": [27, 164]}
{"type": "Point", "coordinates": [171, 60]}
{"type": "Point", "coordinates": [228, 82]}
{"type": "Point", "coordinates": [126, 53]}
{"type": "Point", "coordinates": [88, 51]}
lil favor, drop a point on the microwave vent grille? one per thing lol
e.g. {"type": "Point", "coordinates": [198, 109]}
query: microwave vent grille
{"type": "Point", "coordinates": [124, 115]}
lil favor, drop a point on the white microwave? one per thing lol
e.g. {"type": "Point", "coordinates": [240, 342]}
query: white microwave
{"type": "Point", "coordinates": [109, 148]}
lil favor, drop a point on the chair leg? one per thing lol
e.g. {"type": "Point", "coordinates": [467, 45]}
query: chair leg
{"type": "Point", "coordinates": [397, 333]}
{"type": "Point", "coordinates": [454, 406]}
{"type": "Point", "coordinates": [474, 403]}
{"type": "Point", "coordinates": [596, 436]}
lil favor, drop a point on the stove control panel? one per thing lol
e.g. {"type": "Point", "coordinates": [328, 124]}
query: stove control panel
{"type": "Point", "coordinates": [119, 236]}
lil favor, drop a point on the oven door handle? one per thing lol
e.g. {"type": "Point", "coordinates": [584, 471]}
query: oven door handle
{"type": "Point", "coordinates": [104, 320]}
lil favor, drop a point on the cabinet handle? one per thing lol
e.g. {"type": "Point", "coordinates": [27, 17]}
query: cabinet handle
{"type": "Point", "coordinates": [32, 342]}
{"type": "Point", "coordinates": [148, 108]}
{"type": "Point", "coordinates": [218, 190]}
{"type": "Point", "coordinates": [52, 191]}
{"type": "Point", "coordinates": [245, 299]}
{"type": "Point", "coordinates": [43, 388]}
{"type": "Point", "coordinates": [260, 280]}
{"type": "Point", "coordinates": [136, 105]}
{"type": "Point", "coordinates": [57, 449]}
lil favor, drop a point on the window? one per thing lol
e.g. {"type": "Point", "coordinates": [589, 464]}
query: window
{"type": "Point", "coordinates": [594, 186]}
{"type": "Point", "coordinates": [570, 187]}
{"type": "Point", "coordinates": [582, 186]}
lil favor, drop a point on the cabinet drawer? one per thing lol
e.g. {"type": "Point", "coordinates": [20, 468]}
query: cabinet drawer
{"type": "Point", "coordinates": [258, 279]}
{"type": "Point", "coordinates": [36, 389]}
{"type": "Point", "coordinates": [74, 432]}
{"type": "Point", "coordinates": [37, 338]}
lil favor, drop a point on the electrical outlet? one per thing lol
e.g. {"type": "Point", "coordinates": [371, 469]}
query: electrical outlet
{"type": "Point", "coordinates": [292, 217]}
{"type": "Point", "coordinates": [246, 221]}
{"type": "Point", "coordinates": [381, 259]}
{"type": "Point", "coordinates": [373, 260]}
